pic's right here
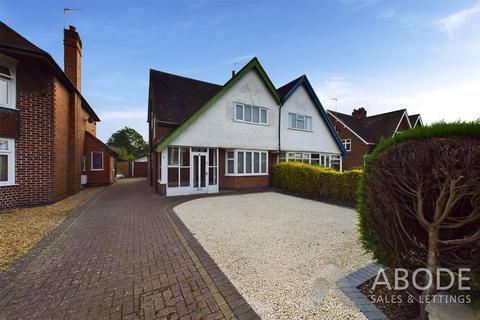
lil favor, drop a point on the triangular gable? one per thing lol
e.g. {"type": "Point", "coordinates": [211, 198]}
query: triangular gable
{"type": "Point", "coordinates": [254, 64]}
{"type": "Point", "coordinates": [303, 81]}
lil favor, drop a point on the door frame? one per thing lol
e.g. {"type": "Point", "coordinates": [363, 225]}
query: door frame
{"type": "Point", "coordinates": [199, 155]}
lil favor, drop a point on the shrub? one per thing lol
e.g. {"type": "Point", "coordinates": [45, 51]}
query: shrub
{"type": "Point", "coordinates": [316, 181]}
{"type": "Point", "coordinates": [419, 197]}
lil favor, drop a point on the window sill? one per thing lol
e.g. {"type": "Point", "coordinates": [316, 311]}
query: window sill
{"type": "Point", "coordinates": [302, 130]}
{"type": "Point", "coordinates": [254, 123]}
{"type": "Point", "coordinates": [8, 184]}
{"type": "Point", "coordinates": [7, 107]}
{"type": "Point", "coordinates": [97, 170]}
{"type": "Point", "coordinates": [247, 175]}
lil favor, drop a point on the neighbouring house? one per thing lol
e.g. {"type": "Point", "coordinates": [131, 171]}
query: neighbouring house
{"type": "Point", "coordinates": [48, 148]}
{"type": "Point", "coordinates": [206, 137]}
{"type": "Point", "coordinates": [360, 134]}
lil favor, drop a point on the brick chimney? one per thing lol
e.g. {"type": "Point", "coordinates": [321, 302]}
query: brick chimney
{"type": "Point", "coordinates": [359, 113]}
{"type": "Point", "coordinates": [72, 57]}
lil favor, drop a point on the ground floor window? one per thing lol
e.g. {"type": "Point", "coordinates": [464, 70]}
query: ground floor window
{"type": "Point", "coordinates": [212, 167]}
{"type": "Point", "coordinates": [324, 160]}
{"type": "Point", "coordinates": [178, 167]}
{"type": "Point", "coordinates": [246, 162]}
{"type": "Point", "coordinates": [97, 161]}
{"type": "Point", "coordinates": [7, 161]}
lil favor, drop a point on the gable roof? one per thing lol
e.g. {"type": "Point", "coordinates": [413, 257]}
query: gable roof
{"type": "Point", "coordinates": [174, 98]}
{"type": "Point", "coordinates": [286, 92]}
{"type": "Point", "coordinates": [414, 118]}
{"type": "Point", "coordinates": [105, 146]}
{"type": "Point", "coordinates": [10, 40]}
{"type": "Point", "coordinates": [197, 111]}
{"type": "Point", "coordinates": [371, 129]}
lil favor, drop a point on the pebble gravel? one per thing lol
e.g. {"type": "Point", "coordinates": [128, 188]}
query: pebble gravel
{"type": "Point", "coordinates": [282, 253]}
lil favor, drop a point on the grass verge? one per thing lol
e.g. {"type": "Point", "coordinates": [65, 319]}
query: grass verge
{"type": "Point", "coordinates": [21, 229]}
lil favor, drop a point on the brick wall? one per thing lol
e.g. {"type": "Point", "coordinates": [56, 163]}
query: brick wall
{"type": "Point", "coordinates": [107, 175]}
{"type": "Point", "coordinates": [63, 150]}
{"type": "Point", "coordinates": [359, 148]}
{"type": "Point", "coordinates": [34, 145]}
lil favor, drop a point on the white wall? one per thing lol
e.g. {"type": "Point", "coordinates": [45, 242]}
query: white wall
{"type": "Point", "coordinates": [318, 140]}
{"type": "Point", "coordinates": [216, 126]}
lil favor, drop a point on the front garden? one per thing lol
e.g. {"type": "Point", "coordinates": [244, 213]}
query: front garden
{"type": "Point", "coordinates": [419, 215]}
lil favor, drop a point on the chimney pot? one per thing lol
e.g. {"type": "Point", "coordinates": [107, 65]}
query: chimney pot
{"type": "Point", "coordinates": [233, 73]}
{"type": "Point", "coordinates": [72, 57]}
{"type": "Point", "coordinates": [359, 113]}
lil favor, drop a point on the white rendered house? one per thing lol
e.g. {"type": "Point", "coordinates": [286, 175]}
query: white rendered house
{"type": "Point", "coordinates": [206, 137]}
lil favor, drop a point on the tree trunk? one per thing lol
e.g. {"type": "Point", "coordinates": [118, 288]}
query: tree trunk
{"type": "Point", "coordinates": [432, 265]}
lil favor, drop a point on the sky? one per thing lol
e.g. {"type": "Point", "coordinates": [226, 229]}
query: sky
{"type": "Point", "coordinates": [383, 55]}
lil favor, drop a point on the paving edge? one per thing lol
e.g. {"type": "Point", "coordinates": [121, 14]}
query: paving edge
{"type": "Point", "coordinates": [24, 261]}
{"type": "Point", "coordinates": [230, 301]}
{"type": "Point", "coordinates": [348, 285]}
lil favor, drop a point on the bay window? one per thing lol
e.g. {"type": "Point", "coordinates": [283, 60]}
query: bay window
{"type": "Point", "coordinates": [7, 162]}
{"type": "Point", "coordinates": [324, 160]}
{"type": "Point", "coordinates": [178, 167]}
{"type": "Point", "coordinates": [245, 163]}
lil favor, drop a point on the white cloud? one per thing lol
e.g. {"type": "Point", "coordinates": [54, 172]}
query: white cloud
{"type": "Point", "coordinates": [451, 23]}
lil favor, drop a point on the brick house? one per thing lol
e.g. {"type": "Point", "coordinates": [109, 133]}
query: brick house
{"type": "Point", "coordinates": [360, 134]}
{"type": "Point", "coordinates": [206, 137]}
{"type": "Point", "coordinates": [47, 128]}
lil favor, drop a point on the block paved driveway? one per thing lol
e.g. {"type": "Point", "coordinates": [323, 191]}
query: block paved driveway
{"type": "Point", "coordinates": [123, 256]}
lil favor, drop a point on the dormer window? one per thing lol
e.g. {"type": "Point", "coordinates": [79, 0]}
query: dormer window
{"type": "Point", "coordinates": [7, 86]}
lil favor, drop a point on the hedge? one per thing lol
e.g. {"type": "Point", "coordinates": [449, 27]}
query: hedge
{"type": "Point", "coordinates": [433, 135]}
{"type": "Point", "coordinates": [317, 182]}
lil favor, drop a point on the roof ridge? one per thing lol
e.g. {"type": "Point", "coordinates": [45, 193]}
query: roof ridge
{"type": "Point", "coordinates": [23, 38]}
{"type": "Point", "coordinates": [183, 77]}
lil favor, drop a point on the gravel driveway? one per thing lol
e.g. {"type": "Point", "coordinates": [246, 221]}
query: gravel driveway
{"type": "Point", "coordinates": [282, 253]}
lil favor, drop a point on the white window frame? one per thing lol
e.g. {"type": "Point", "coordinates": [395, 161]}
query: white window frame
{"type": "Point", "coordinates": [347, 143]}
{"type": "Point", "coordinates": [91, 161]}
{"type": "Point", "coordinates": [303, 118]}
{"type": "Point", "coordinates": [235, 163]}
{"type": "Point", "coordinates": [11, 64]}
{"type": "Point", "coordinates": [260, 109]}
{"type": "Point", "coordinates": [324, 159]}
{"type": "Point", "coordinates": [10, 153]}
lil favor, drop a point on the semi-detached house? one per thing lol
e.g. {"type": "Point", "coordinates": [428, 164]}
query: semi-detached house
{"type": "Point", "coordinates": [206, 137]}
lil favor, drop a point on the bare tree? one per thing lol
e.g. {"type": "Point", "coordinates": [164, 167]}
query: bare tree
{"type": "Point", "coordinates": [423, 199]}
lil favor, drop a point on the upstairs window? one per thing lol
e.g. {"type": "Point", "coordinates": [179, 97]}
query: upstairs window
{"type": "Point", "coordinates": [97, 161]}
{"type": "Point", "coordinates": [251, 114]}
{"type": "Point", "coordinates": [7, 162]}
{"type": "Point", "coordinates": [299, 122]}
{"type": "Point", "coordinates": [347, 143]}
{"type": "Point", "coordinates": [7, 87]}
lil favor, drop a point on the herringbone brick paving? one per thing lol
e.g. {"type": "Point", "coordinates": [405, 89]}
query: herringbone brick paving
{"type": "Point", "coordinates": [122, 258]}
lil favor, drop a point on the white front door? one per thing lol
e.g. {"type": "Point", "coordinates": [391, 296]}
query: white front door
{"type": "Point", "coordinates": [199, 172]}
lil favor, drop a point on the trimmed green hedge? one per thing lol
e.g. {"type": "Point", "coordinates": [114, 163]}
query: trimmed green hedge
{"type": "Point", "coordinates": [315, 181]}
